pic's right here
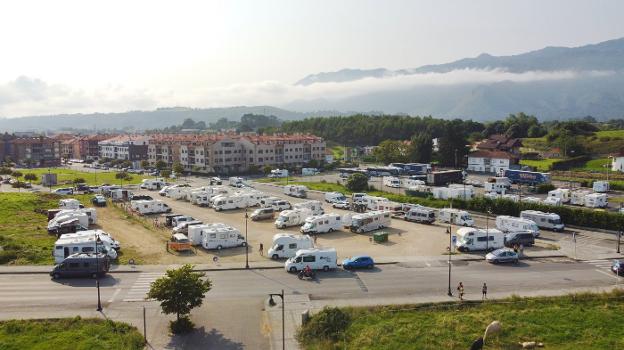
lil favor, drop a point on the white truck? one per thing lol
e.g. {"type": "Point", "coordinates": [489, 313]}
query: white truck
{"type": "Point", "coordinates": [578, 197]}
{"type": "Point", "coordinates": [222, 237]}
{"type": "Point", "coordinates": [420, 214]}
{"type": "Point", "coordinates": [563, 194]}
{"type": "Point", "coordinates": [333, 197]}
{"type": "Point", "coordinates": [294, 217]}
{"type": "Point", "coordinates": [309, 171]}
{"type": "Point", "coordinates": [507, 223]}
{"type": "Point", "coordinates": [316, 259]}
{"type": "Point", "coordinates": [476, 239]}
{"type": "Point", "coordinates": [315, 207]}
{"type": "Point", "coordinates": [550, 221]}
{"type": "Point", "coordinates": [596, 200]}
{"type": "Point", "coordinates": [370, 221]}
{"type": "Point", "coordinates": [146, 207]}
{"type": "Point", "coordinates": [64, 247]}
{"type": "Point", "coordinates": [391, 181]}
{"type": "Point", "coordinates": [152, 184]}
{"type": "Point", "coordinates": [601, 186]}
{"type": "Point", "coordinates": [286, 245]}
{"type": "Point", "coordinates": [70, 204]}
{"type": "Point", "coordinates": [455, 217]}
{"type": "Point", "coordinates": [298, 191]}
{"type": "Point", "coordinates": [322, 224]}
{"type": "Point", "coordinates": [278, 173]}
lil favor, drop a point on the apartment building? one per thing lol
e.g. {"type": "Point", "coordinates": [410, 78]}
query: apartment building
{"type": "Point", "coordinates": [495, 162]}
{"type": "Point", "coordinates": [35, 151]}
{"type": "Point", "coordinates": [125, 147]}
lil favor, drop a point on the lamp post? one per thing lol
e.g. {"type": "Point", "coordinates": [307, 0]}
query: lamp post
{"type": "Point", "coordinates": [49, 180]}
{"type": "Point", "coordinates": [97, 271]}
{"type": "Point", "coordinates": [272, 303]}
{"type": "Point", "coordinates": [246, 242]}
{"type": "Point", "coordinates": [450, 248]}
{"type": "Point", "coordinates": [487, 228]}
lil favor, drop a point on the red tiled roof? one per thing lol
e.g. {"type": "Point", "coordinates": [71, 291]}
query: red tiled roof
{"type": "Point", "coordinates": [491, 154]}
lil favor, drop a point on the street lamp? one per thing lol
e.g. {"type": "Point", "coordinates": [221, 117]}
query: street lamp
{"type": "Point", "coordinates": [97, 271]}
{"type": "Point", "coordinates": [272, 303]}
{"type": "Point", "coordinates": [450, 232]}
{"type": "Point", "coordinates": [487, 228]}
{"type": "Point", "coordinates": [49, 180]}
{"type": "Point", "coordinates": [246, 242]}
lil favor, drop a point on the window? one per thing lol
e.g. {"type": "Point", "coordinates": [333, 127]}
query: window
{"type": "Point", "coordinates": [85, 264]}
{"type": "Point", "coordinates": [309, 258]}
{"type": "Point", "coordinates": [213, 235]}
{"type": "Point", "coordinates": [223, 235]}
{"type": "Point", "coordinates": [75, 249]}
{"type": "Point", "coordinates": [87, 249]}
{"type": "Point", "coordinates": [292, 246]}
{"type": "Point", "coordinates": [74, 265]}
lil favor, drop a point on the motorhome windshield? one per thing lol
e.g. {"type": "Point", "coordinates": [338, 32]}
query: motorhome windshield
{"type": "Point", "coordinates": [357, 222]}
{"type": "Point", "coordinates": [278, 247]}
{"type": "Point", "coordinates": [283, 218]}
{"type": "Point", "coordinates": [554, 221]}
{"type": "Point", "coordinates": [465, 217]}
{"type": "Point", "coordinates": [309, 225]}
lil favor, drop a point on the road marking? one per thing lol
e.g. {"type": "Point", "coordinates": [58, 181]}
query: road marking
{"type": "Point", "coordinates": [114, 295]}
{"type": "Point", "coordinates": [608, 274]}
{"type": "Point", "coordinates": [140, 288]}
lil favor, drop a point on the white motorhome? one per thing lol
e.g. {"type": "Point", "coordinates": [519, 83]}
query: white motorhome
{"type": "Point", "coordinates": [552, 201]}
{"type": "Point", "coordinates": [492, 195]}
{"type": "Point", "coordinates": [268, 202]}
{"type": "Point", "coordinates": [453, 191]}
{"type": "Point", "coordinates": [281, 205]}
{"type": "Point", "coordinates": [152, 184]}
{"type": "Point", "coordinates": [508, 223]}
{"type": "Point", "coordinates": [564, 194]}
{"type": "Point", "coordinates": [91, 213]}
{"type": "Point", "coordinates": [286, 245]}
{"type": "Point", "coordinates": [455, 217]}
{"type": "Point", "coordinates": [59, 221]}
{"type": "Point", "coordinates": [236, 181]}
{"type": "Point", "coordinates": [298, 191]}
{"type": "Point", "coordinates": [601, 186]}
{"type": "Point", "coordinates": [389, 206]}
{"type": "Point", "coordinates": [184, 226]}
{"type": "Point", "coordinates": [104, 237]}
{"type": "Point", "coordinates": [549, 221]}
{"type": "Point", "coordinates": [236, 201]}
{"type": "Point", "coordinates": [531, 200]}
{"type": "Point", "coordinates": [366, 222]}
{"type": "Point", "coordinates": [294, 217]}
{"type": "Point", "coordinates": [596, 200]}
{"type": "Point", "coordinates": [277, 173]}
{"type": "Point", "coordinates": [413, 183]}
{"type": "Point", "coordinates": [120, 195]}
{"type": "Point", "coordinates": [578, 197]}
{"type": "Point", "coordinates": [70, 204]}
{"type": "Point", "coordinates": [315, 207]}
{"type": "Point", "coordinates": [371, 202]}
{"type": "Point", "coordinates": [475, 239]}
{"type": "Point", "coordinates": [391, 181]}
{"type": "Point", "coordinates": [222, 237]}
{"type": "Point", "coordinates": [332, 197]}
{"type": "Point", "coordinates": [420, 214]}
{"type": "Point", "coordinates": [64, 247]}
{"type": "Point", "coordinates": [322, 223]}
{"type": "Point", "coordinates": [146, 207]}
{"type": "Point", "coordinates": [200, 198]}
{"type": "Point", "coordinates": [195, 233]}
{"type": "Point", "coordinates": [495, 187]}
{"type": "Point", "coordinates": [177, 192]}
{"type": "Point", "coordinates": [309, 171]}
{"type": "Point", "coordinates": [316, 259]}
{"type": "Point", "coordinates": [511, 197]}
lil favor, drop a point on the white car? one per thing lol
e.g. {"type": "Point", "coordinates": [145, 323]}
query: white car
{"type": "Point", "coordinates": [341, 205]}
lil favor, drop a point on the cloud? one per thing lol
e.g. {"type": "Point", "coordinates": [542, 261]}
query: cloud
{"type": "Point", "coordinates": [30, 96]}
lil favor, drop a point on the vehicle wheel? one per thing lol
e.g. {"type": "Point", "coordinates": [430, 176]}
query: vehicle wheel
{"type": "Point", "coordinates": [275, 257]}
{"type": "Point", "coordinates": [346, 267]}
{"type": "Point", "coordinates": [325, 268]}
{"type": "Point", "coordinates": [219, 247]}
{"type": "Point", "coordinates": [94, 275]}
{"type": "Point", "coordinates": [331, 230]}
{"type": "Point", "coordinates": [515, 261]}
{"type": "Point", "coordinates": [244, 244]}
{"type": "Point", "coordinates": [56, 276]}
{"type": "Point", "coordinates": [405, 219]}
{"type": "Point", "coordinates": [293, 269]}
{"type": "Point", "coordinates": [369, 266]}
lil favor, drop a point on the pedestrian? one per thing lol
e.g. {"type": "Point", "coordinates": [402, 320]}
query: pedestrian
{"type": "Point", "coordinates": [314, 238]}
{"type": "Point", "coordinates": [261, 249]}
{"type": "Point", "coordinates": [484, 291]}
{"type": "Point", "coordinates": [521, 250]}
{"type": "Point", "coordinates": [460, 290]}
{"type": "Point", "coordinates": [515, 248]}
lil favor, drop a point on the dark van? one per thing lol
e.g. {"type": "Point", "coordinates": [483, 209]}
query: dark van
{"type": "Point", "coordinates": [82, 265]}
{"type": "Point", "coordinates": [520, 238]}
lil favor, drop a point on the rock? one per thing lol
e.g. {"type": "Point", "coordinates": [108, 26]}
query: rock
{"type": "Point", "coordinates": [528, 345]}
{"type": "Point", "coordinates": [493, 328]}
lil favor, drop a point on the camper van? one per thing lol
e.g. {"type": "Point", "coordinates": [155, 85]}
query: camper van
{"type": "Point", "coordinates": [178, 192]}
{"type": "Point", "coordinates": [550, 221]}
{"type": "Point", "coordinates": [332, 197]}
{"type": "Point", "coordinates": [278, 173]}
{"type": "Point", "coordinates": [236, 181]}
{"type": "Point", "coordinates": [146, 207]}
{"type": "Point", "coordinates": [371, 202]}
{"type": "Point", "coordinates": [72, 219]}
{"type": "Point", "coordinates": [195, 233]}
{"type": "Point", "coordinates": [315, 207]}
{"type": "Point", "coordinates": [322, 224]}
{"type": "Point", "coordinates": [316, 259]}
{"type": "Point", "coordinates": [296, 191]}
{"type": "Point", "coordinates": [552, 201]}
{"type": "Point", "coordinates": [596, 200]}
{"type": "Point", "coordinates": [578, 197]}
{"type": "Point", "coordinates": [453, 191]}
{"type": "Point", "coordinates": [415, 183]}
{"type": "Point", "coordinates": [236, 201]}
{"type": "Point", "coordinates": [309, 171]}
{"type": "Point", "coordinates": [222, 237]}
{"type": "Point", "coordinates": [495, 187]}
{"type": "Point", "coordinates": [120, 195]}
{"type": "Point", "coordinates": [104, 237]}
{"type": "Point", "coordinates": [286, 245]}
{"type": "Point", "coordinates": [458, 217]}
{"type": "Point", "coordinates": [357, 197]}
{"type": "Point", "coordinates": [152, 184]}
{"type": "Point", "coordinates": [389, 206]}
{"type": "Point", "coordinates": [65, 247]}
{"type": "Point", "coordinates": [601, 186]}
{"type": "Point", "coordinates": [184, 226]}
{"type": "Point", "coordinates": [366, 222]}
{"type": "Point", "coordinates": [420, 214]}
{"type": "Point", "coordinates": [507, 223]}
{"type": "Point", "coordinates": [475, 239]}
{"type": "Point", "coordinates": [564, 194]}
{"type": "Point", "coordinates": [81, 265]}
{"type": "Point", "coordinates": [391, 181]}
{"type": "Point", "coordinates": [268, 202]}
{"type": "Point", "coordinates": [70, 204]}
{"type": "Point", "coordinates": [294, 217]}
{"type": "Point", "coordinates": [201, 198]}
{"type": "Point", "coordinates": [281, 205]}
{"type": "Point", "coordinates": [91, 213]}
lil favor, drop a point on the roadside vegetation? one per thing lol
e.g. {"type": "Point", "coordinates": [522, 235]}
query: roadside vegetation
{"type": "Point", "coordinates": [69, 333]}
{"type": "Point", "coordinates": [577, 321]}
{"type": "Point", "coordinates": [541, 164]}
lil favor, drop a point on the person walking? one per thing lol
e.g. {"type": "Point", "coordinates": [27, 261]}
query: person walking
{"type": "Point", "coordinates": [460, 290]}
{"type": "Point", "coordinates": [261, 249]}
{"type": "Point", "coordinates": [484, 291]}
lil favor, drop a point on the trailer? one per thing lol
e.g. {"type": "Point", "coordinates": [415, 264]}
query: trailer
{"type": "Point", "coordinates": [596, 200]}
{"type": "Point", "coordinates": [527, 177]}
{"type": "Point", "coordinates": [550, 221]}
{"type": "Point", "coordinates": [322, 224]}
{"type": "Point", "coordinates": [366, 222]}
{"type": "Point", "coordinates": [298, 191]}
{"type": "Point", "coordinates": [294, 217]}
{"type": "Point", "coordinates": [563, 194]}
{"type": "Point", "coordinates": [286, 245]}
{"type": "Point", "coordinates": [600, 186]}
{"type": "Point", "coordinates": [445, 177]}
{"type": "Point", "coordinates": [146, 207]}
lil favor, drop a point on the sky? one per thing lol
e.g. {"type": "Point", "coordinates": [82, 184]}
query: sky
{"type": "Point", "coordinates": [88, 56]}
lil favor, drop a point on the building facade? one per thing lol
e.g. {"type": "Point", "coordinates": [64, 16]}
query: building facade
{"type": "Point", "coordinates": [132, 148]}
{"type": "Point", "coordinates": [495, 162]}
{"type": "Point", "coordinates": [36, 151]}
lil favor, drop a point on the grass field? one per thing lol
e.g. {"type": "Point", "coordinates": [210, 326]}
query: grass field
{"type": "Point", "coordinates": [67, 176]}
{"type": "Point", "coordinates": [611, 133]}
{"type": "Point", "coordinates": [597, 165]}
{"type": "Point", "coordinates": [23, 232]}
{"type": "Point", "coordinates": [582, 321]}
{"type": "Point", "coordinates": [540, 165]}
{"type": "Point", "coordinates": [69, 333]}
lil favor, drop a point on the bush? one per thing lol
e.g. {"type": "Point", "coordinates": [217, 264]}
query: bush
{"type": "Point", "coordinates": [329, 324]}
{"type": "Point", "coordinates": [79, 180]}
{"type": "Point", "coordinates": [544, 188]}
{"type": "Point", "coordinates": [569, 163]}
{"type": "Point", "coordinates": [181, 326]}
{"type": "Point", "coordinates": [357, 182]}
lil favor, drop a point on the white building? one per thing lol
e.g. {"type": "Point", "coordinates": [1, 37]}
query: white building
{"type": "Point", "coordinates": [125, 147]}
{"type": "Point", "coordinates": [495, 162]}
{"type": "Point", "coordinates": [618, 163]}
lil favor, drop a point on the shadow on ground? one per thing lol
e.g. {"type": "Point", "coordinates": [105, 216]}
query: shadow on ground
{"type": "Point", "coordinates": [201, 339]}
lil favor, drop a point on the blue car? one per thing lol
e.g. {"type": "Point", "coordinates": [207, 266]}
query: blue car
{"type": "Point", "coordinates": [358, 262]}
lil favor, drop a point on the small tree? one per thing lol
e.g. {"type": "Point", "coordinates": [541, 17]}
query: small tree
{"type": "Point", "coordinates": [161, 165]}
{"type": "Point", "coordinates": [165, 173]}
{"type": "Point", "coordinates": [144, 164]}
{"type": "Point", "coordinates": [179, 292]}
{"type": "Point", "coordinates": [123, 176]}
{"type": "Point", "coordinates": [267, 169]}
{"type": "Point", "coordinates": [30, 177]}
{"type": "Point", "coordinates": [357, 182]}
{"type": "Point", "coordinates": [178, 168]}
{"type": "Point", "coordinates": [79, 180]}
{"type": "Point", "coordinates": [17, 174]}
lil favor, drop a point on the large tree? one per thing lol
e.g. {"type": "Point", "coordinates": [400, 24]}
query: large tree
{"type": "Point", "coordinates": [420, 148]}
{"type": "Point", "coordinates": [452, 144]}
{"type": "Point", "coordinates": [357, 182]}
{"type": "Point", "coordinates": [391, 151]}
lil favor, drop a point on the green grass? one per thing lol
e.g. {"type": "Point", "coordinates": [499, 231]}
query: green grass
{"type": "Point", "coordinates": [611, 133]}
{"type": "Point", "coordinates": [582, 321]}
{"type": "Point", "coordinates": [23, 232]}
{"type": "Point", "coordinates": [540, 165]}
{"type": "Point", "coordinates": [597, 164]}
{"type": "Point", "coordinates": [67, 176]}
{"type": "Point", "coordinates": [69, 333]}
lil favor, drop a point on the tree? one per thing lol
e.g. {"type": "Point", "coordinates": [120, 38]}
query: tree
{"type": "Point", "coordinates": [178, 168]}
{"type": "Point", "coordinates": [161, 165]}
{"type": "Point", "coordinates": [79, 180]}
{"type": "Point", "coordinates": [391, 151]}
{"type": "Point", "coordinates": [267, 169]}
{"type": "Point", "coordinates": [123, 176]}
{"type": "Point", "coordinates": [165, 173]}
{"type": "Point", "coordinates": [144, 164]}
{"type": "Point", "coordinates": [357, 182]}
{"type": "Point", "coordinates": [179, 292]}
{"type": "Point", "coordinates": [452, 144]}
{"type": "Point", "coordinates": [420, 148]}
{"type": "Point", "coordinates": [30, 177]}
{"type": "Point", "coordinates": [17, 174]}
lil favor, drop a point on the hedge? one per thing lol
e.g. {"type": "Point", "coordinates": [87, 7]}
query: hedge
{"type": "Point", "coordinates": [569, 163]}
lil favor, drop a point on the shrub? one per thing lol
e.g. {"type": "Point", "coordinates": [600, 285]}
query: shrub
{"type": "Point", "coordinates": [329, 324]}
{"type": "Point", "coordinates": [357, 182]}
{"type": "Point", "coordinates": [544, 188]}
{"type": "Point", "coordinates": [79, 180]}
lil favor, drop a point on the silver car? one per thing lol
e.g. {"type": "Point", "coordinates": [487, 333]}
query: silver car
{"type": "Point", "coordinates": [503, 255]}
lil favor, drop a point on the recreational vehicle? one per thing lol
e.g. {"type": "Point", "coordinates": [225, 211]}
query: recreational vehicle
{"type": "Point", "coordinates": [268, 202]}
{"type": "Point", "coordinates": [70, 204]}
{"type": "Point", "coordinates": [332, 197]}
{"type": "Point", "coordinates": [222, 237]}
{"type": "Point", "coordinates": [91, 213]}
{"type": "Point", "coordinates": [81, 265]}
{"type": "Point", "coordinates": [183, 227]}
{"type": "Point", "coordinates": [236, 201]}
{"type": "Point", "coordinates": [104, 237]}
{"type": "Point", "coordinates": [601, 186]}
{"type": "Point", "coordinates": [507, 223]}
{"type": "Point", "coordinates": [64, 247]}
{"type": "Point", "coordinates": [236, 181]}
{"type": "Point", "coordinates": [281, 205]}
{"type": "Point", "coordinates": [309, 171]}
{"type": "Point", "coordinates": [262, 214]}
{"type": "Point", "coordinates": [294, 217]}
{"type": "Point", "coordinates": [596, 200]}
{"type": "Point", "coordinates": [550, 221]}
{"type": "Point", "coordinates": [195, 233]}
{"type": "Point", "coordinates": [152, 184]}
{"type": "Point", "coordinates": [420, 214]}
{"type": "Point", "coordinates": [146, 207]}
{"type": "Point", "coordinates": [475, 239]}
{"type": "Point", "coordinates": [315, 207]}
{"type": "Point", "coordinates": [278, 173]}
{"type": "Point", "coordinates": [495, 187]}
{"type": "Point", "coordinates": [72, 219]}
{"type": "Point", "coordinates": [286, 245]}
{"type": "Point", "coordinates": [322, 223]}
{"type": "Point", "coordinates": [389, 206]}
{"type": "Point", "coordinates": [316, 259]}
{"type": "Point", "coordinates": [578, 197]}
{"type": "Point", "coordinates": [120, 195]}
{"type": "Point", "coordinates": [455, 217]}
{"type": "Point", "coordinates": [563, 194]}
{"type": "Point", "coordinates": [391, 181]}
{"type": "Point", "coordinates": [366, 222]}
{"type": "Point", "coordinates": [298, 191]}
{"type": "Point", "coordinates": [552, 201]}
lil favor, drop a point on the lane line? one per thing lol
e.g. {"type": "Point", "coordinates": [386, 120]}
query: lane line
{"type": "Point", "coordinates": [607, 274]}
{"type": "Point", "coordinates": [114, 295]}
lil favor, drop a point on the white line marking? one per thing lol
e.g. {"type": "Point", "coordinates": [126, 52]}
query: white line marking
{"type": "Point", "coordinates": [607, 274]}
{"type": "Point", "coordinates": [114, 295]}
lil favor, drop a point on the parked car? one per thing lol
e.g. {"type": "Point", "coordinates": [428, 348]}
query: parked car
{"type": "Point", "coordinates": [262, 214]}
{"type": "Point", "coordinates": [617, 267]}
{"type": "Point", "coordinates": [502, 255]}
{"type": "Point", "coordinates": [82, 265]}
{"type": "Point", "coordinates": [519, 238]}
{"type": "Point", "coordinates": [83, 188]}
{"type": "Point", "coordinates": [99, 200]}
{"type": "Point", "coordinates": [341, 205]}
{"type": "Point", "coordinates": [139, 197]}
{"type": "Point", "coordinates": [358, 262]}
{"type": "Point", "coordinates": [64, 191]}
